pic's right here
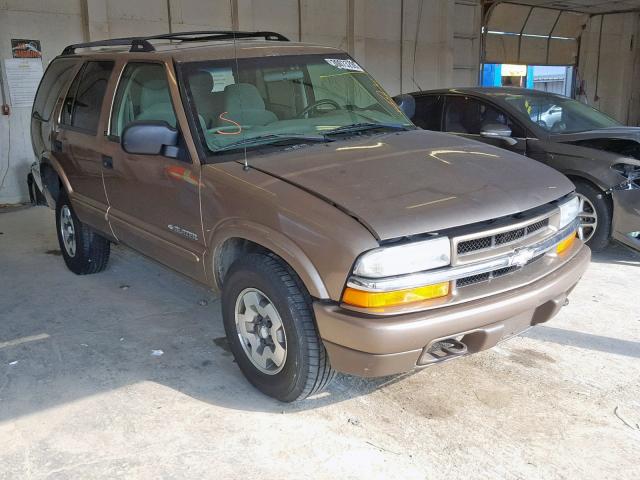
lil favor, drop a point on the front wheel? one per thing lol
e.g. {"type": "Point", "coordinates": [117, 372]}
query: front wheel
{"type": "Point", "coordinates": [83, 250]}
{"type": "Point", "coordinates": [595, 216]}
{"type": "Point", "coordinates": [269, 324]}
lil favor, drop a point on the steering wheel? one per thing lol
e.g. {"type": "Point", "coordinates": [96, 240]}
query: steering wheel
{"type": "Point", "coordinates": [325, 101]}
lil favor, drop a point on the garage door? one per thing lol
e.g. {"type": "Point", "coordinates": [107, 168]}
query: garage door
{"type": "Point", "coordinates": [524, 34]}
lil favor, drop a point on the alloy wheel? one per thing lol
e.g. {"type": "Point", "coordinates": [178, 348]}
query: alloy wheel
{"type": "Point", "coordinates": [68, 231]}
{"type": "Point", "coordinates": [588, 219]}
{"type": "Point", "coordinates": [260, 331]}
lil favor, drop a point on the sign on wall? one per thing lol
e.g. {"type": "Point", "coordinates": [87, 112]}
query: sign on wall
{"type": "Point", "coordinates": [23, 48]}
{"type": "Point", "coordinates": [23, 78]}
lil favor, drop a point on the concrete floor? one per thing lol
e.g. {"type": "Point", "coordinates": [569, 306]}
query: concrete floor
{"type": "Point", "coordinates": [82, 396]}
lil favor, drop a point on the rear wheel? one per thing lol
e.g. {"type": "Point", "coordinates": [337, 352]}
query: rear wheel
{"type": "Point", "coordinates": [269, 324]}
{"type": "Point", "coordinates": [84, 251]}
{"type": "Point", "coordinates": [595, 216]}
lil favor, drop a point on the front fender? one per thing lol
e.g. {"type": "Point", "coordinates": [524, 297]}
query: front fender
{"type": "Point", "coordinates": [272, 240]}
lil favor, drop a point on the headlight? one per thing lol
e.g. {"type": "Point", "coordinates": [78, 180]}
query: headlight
{"type": "Point", "coordinates": [403, 259]}
{"type": "Point", "coordinates": [631, 173]}
{"type": "Point", "coordinates": [569, 210]}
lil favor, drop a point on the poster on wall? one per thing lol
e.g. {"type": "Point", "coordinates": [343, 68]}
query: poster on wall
{"type": "Point", "coordinates": [23, 78]}
{"type": "Point", "coordinates": [24, 48]}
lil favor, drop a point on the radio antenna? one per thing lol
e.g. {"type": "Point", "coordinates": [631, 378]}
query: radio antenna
{"type": "Point", "coordinates": [235, 54]}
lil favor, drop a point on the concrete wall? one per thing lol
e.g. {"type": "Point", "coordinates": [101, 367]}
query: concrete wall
{"type": "Point", "coordinates": [616, 57]}
{"type": "Point", "coordinates": [439, 42]}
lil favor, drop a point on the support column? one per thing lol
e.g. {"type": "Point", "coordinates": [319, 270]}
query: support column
{"type": "Point", "coordinates": [95, 19]}
{"type": "Point", "coordinates": [235, 22]}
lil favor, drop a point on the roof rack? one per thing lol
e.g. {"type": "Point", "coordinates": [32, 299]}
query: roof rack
{"type": "Point", "coordinates": [143, 44]}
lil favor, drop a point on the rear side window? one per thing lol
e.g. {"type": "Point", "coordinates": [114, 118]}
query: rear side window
{"type": "Point", "coordinates": [428, 112]}
{"type": "Point", "coordinates": [143, 94]}
{"type": "Point", "coordinates": [84, 99]}
{"type": "Point", "coordinates": [55, 78]}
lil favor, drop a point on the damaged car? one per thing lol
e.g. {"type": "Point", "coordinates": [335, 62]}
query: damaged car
{"type": "Point", "coordinates": [600, 155]}
{"type": "Point", "coordinates": [341, 237]}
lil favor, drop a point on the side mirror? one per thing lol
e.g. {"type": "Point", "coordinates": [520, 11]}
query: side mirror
{"type": "Point", "coordinates": [407, 104]}
{"type": "Point", "coordinates": [499, 132]}
{"type": "Point", "coordinates": [150, 137]}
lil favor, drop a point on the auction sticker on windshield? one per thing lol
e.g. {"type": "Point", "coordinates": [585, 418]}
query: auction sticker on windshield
{"type": "Point", "coordinates": [343, 64]}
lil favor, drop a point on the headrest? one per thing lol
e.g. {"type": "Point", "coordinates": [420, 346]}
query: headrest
{"type": "Point", "coordinates": [201, 83]}
{"type": "Point", "coordinates": [242, 96]}
{"type": "Point", "coordinates": [154, 92]}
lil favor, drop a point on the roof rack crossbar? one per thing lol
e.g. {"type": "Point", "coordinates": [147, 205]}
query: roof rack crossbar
{"type": "Point", "coordinates": [143, 44]}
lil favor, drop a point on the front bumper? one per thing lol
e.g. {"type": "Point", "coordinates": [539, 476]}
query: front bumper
{"type": "Point", "coordinates": [371, 346]}
{"type": "Point", "coordinates": [626, 217]}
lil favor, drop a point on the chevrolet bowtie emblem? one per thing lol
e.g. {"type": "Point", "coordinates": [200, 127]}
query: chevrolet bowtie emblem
{"type": "Point", "coordinates": [521, 257]}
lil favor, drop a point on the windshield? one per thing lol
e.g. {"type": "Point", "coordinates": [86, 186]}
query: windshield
{"type": "Point", "coordinates": [557, 114]}
{"type": "Point", "coordinates": [250, 102]}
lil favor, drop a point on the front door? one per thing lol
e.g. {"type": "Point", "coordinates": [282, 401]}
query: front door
{"type": "Point", "coordinates": [469, 117]}
{"type": "Point", "coordinates": [154, 200]}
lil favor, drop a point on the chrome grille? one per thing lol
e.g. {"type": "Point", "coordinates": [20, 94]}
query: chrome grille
{"type": "Point", "coordinates": [509, 237]}
{"type": "Point", "coordinates": [474, 245]}
{"type": "Point", "coordinates": [485, 277]}
{"type": "Point", "coordinates": [473, 279]}
{"type": "Point", "coordinates": [534, 227]}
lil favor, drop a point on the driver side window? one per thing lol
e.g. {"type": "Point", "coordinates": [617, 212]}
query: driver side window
{"type": "Point", "coordinates": [143, 94]}
{"type": "Point", "coordinates": [470, 115]}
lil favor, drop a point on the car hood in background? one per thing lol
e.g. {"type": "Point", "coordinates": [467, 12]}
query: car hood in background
{"type": "Point", "coordinates": [406, 183]}
{"type": "Point", "coordinates": [630, 133]}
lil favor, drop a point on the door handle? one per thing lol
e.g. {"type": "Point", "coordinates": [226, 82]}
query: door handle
{"type": "Point", "coordinates": [57, 146]}
{"type": "Point", "coordinates": [107, 162]}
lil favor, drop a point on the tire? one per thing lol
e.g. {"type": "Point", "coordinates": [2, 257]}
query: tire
{"type": "Point", "coordinates": [90, 252]}
{"type": "Point", "coordinates": [305, 369]}
{"type": "Point", "coordinates": [602, 233]}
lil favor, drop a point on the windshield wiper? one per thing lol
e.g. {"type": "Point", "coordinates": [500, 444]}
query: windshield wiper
{"type": "Point", "coordinates": [361, 127]}
{"type": "Point", "coordinates": [273, 139]}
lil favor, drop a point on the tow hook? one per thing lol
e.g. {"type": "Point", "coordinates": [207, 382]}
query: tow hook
{"type": "Point", "coordinates": [453, 347]}
{"type": "Point", "coordinates": [443, 350]}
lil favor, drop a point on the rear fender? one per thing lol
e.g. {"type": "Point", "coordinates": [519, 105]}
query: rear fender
{"type": "Point", "coordinates": [53, 179]}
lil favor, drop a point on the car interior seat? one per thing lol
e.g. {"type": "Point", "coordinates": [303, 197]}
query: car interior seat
{"type": "Point", "coordinates": [453, 120]}
{"type": "Point", "coordinates": [208, 103]}
{"type": "Point", "coordinates": [244, 105]}
{"type": "Point", "coordinates": [155, 102]}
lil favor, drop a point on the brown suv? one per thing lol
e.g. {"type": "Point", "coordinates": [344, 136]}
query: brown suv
{"type": "Point", "coordinates": [342, 237]}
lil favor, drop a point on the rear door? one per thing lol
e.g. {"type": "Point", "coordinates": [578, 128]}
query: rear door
{"type": "Point", "coordinates": [468, 116]}
{"type": "Point", "coordinates": [154, 200]}
{"type": "Point", "coordinates": [79, 143]}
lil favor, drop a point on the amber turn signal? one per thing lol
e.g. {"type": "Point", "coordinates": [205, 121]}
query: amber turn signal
{"type": "Point", "coordinates": [361, 298]}
{"type": "Point", "coordinates": [565, 243]}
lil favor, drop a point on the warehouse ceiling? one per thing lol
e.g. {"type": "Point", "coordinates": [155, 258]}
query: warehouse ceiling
{"type": "Point", "coordinates": [592, 7]}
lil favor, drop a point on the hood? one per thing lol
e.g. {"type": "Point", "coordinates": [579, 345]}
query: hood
{"type": "Point", "coordinates": [630, 133]}
{"type": "Point", "coordinates": [406, 183]}
{"type": "Point", "coordinates": [619, 141]}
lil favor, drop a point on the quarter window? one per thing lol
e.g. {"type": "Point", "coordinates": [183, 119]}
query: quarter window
{"type": "Point", "coordinates": [143, 94]}
{"type": "Point", "coordinates": [55, 78]}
